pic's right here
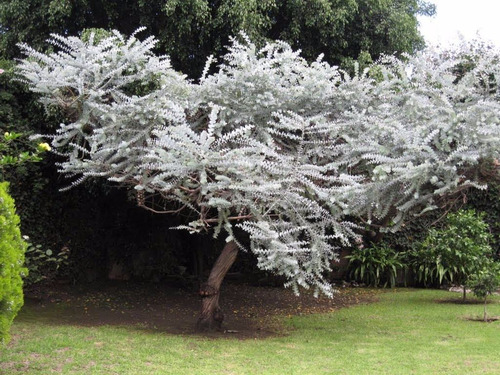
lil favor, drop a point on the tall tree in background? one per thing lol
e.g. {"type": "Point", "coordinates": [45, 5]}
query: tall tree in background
{"type": "Point", "coordinates": [191, 30]}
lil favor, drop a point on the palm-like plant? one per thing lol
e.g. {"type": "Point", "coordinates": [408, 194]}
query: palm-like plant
{"type": "Point", "coordinates": [376, 265]}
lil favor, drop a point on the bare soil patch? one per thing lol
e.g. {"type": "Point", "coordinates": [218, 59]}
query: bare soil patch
{"type": "Point", "coordinates": [250, 312]}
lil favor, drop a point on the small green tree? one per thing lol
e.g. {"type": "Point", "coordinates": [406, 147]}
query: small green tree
{"type": "Point", "coordinates": [485, 282]}
{"type": "Point", "coordinates": [453, 253]}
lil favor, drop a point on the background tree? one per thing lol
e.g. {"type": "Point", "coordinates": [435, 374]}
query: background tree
{"type": "Point", "coordinates": [191, 30]}
{"type": "Point", "coordinates": [454, 253]}
{"type": "Point", "coordinates": [270, 145]}
{"type": "Point", "coordinates": [386, 27]}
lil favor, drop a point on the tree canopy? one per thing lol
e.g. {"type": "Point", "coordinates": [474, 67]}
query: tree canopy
{"type": "Point", "coordinates": [188, 31]}
{"type": "Point", "coordinates": [271, 145]}
{"type": "Point", "coordinates": [191, 30]}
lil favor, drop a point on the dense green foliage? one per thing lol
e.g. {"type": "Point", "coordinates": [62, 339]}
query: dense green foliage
{"type": "Point", "coordinates": [19, 115]}
{"type": "Point", "coordinates": [453, 253]}
{"type": "Point", "coordinates": [191, 30]}
{"type": "Point", "coordinates": [12, 248]}
{"type": "Point", "coordinates": [11, 154]}
{"type": "Point", "coordinates": [376, 265]}
{"type": "Point", "coordinates": [488, 202]}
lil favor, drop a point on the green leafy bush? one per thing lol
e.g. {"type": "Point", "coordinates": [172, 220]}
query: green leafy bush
{"type": "Point", "coordinates": [485, 282]}
{"type": "Point", "coordinates": [453, 253]}
{"type": "Point", "coordinates": [12, 248]}
{"type": "Point", "coordinates": [376, 266]}
{"type": "Point", "coordinates": [44, 265]}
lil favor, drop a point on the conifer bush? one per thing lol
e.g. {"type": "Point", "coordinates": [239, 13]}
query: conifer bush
{"type": "Point", "coordinates": [12, 249]}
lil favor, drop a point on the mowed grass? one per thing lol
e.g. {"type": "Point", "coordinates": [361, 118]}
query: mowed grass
{"type": "Point", "coordinates": [406, 332]}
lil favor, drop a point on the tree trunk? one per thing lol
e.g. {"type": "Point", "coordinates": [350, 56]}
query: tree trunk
{"type": "Point", "coordinates": [464, 293]}
{"type": "Point", "coordinates": [485, 315]}
{"type": "Point", "coordinates": [211, 316]}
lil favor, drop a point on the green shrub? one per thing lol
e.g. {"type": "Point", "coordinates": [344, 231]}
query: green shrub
{"type": "Point", "coordinates": [376, 265]}
{"type": "Point", "coordinates": [12, 248]}
{"type": "Point", "coordinates": [454, 252]}
{"type": "Point", "coordinates": [44, 265]}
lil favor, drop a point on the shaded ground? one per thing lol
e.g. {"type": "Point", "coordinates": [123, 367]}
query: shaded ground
{"type": "Point", "coordinates": [250, 312]}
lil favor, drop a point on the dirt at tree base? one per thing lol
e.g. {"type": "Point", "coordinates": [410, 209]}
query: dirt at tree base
{"type": "Point", "coordinates": [250, 311]}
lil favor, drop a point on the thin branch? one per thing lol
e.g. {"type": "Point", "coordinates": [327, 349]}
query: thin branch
{"type": "Point", "coordinates": [162, 211]}
{"type": "Point", "coordinates": [243, 217]}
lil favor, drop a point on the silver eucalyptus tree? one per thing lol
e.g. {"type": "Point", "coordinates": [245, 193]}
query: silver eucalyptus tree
{"type": "Point", "coordinates": [282, 149]}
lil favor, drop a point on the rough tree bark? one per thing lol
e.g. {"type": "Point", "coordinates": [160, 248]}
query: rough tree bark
{"type": "Point", "coordinates": [211, 315]}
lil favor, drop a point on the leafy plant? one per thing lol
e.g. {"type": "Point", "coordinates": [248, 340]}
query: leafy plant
{"type": "Point", "coordinates": [9, 155]}
{"type": "Point", "coordinates": [485, 282]}
{"type": "Point", "coordinates": [44, 265]}
{"type": "Point", "coordinates": [453, 253]}
{"type": "Point", "coordinates": [377, 265]}
{"type": "Point", "coordinates": [14, 148]}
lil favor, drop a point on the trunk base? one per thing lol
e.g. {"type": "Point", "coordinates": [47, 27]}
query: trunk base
{"type": "Point", "coordinates": [212, 322]}
{"type": "Point", "coordinates": [211, 316]}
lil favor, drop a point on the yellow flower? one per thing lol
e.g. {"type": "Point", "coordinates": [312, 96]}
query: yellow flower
{"type": "Point", "coordinates": [6, 134]}
{"type": "Point", "coordinates": [44, 147]}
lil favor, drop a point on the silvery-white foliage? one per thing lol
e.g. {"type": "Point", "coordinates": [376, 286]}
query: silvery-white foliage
{"type": "Point", "coordinates": [279, 147]}
{"type": "Point", "coordinates": [95, 84]}
{"type": "Point", "coordinates": [419, 133]}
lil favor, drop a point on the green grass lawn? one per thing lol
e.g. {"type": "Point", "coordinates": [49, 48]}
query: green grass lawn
{"type": "Point", "coordinates": [406, 332]}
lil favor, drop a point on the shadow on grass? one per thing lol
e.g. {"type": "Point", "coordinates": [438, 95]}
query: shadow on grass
{"type": "Point", "coordinates": [480, 319]}
{"type": "Point", "coordinates": [460, 301]}
{"type": "Point", "coordinates": [251, 312]}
